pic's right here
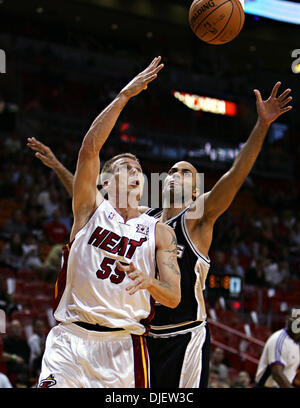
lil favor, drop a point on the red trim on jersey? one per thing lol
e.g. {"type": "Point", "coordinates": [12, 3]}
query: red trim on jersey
{"type": "Point", "coordinates": [141, 362]}
{"type": "Point", "coordinates": [62, 277]}
{"type": "Point", "coordinates": [146, 322]}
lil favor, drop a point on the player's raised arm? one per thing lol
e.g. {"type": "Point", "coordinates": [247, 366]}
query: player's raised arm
{"type": "Point", "coordinates": [220, 197]}
{"type": "Point", "coordinates": [166, 289]}
{"type": "Point", "coordinates": [48, 158]}
{"type": "Point", "coordinates": [88, 163]}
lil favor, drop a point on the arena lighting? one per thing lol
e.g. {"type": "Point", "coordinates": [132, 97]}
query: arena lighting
{"type": "Point", "coordinates": [206, 104]}
{"type": "Point", "coordinates": [280, 10]}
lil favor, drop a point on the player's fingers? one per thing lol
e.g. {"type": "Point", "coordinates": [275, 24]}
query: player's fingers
{"type": "Point", "coordinates": [39, 155]}
{"type": "Point", "coordinates": [258, 95]}
{"type": "Point", "coordinates": [283, 95]}
{"type": "Point", "coordinates": [275, 89]}
{"type": "Point", "coordinates": [288, 108]}
{"type": "Point", "coordinates": [286, 101]}
{"type": "Point", "coordinates": [125, 268]}
{"type": "Point", "coordinates": [134, 288]}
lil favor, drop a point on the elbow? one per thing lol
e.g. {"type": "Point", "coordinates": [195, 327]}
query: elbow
{"type": "Point", "coordinates": [174, 302]}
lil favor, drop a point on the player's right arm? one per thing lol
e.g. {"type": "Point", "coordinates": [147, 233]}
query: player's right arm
{"type": "Point", "coordinates": [85, 197]}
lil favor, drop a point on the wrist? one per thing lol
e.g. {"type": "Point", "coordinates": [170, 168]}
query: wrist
{"type": "Point", "coordinates": [124, 95]}
{"type": "Point", "coordinates": [263, 124]}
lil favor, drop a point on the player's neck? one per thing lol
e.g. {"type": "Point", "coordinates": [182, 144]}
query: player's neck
{"type": "Point", "coordinates": [124, 209]}
{"type": "Point", "coordinates": [170, 212]}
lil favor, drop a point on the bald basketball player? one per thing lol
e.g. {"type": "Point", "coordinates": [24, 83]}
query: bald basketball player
{"type": "Point", "coordinates": [178, 341]}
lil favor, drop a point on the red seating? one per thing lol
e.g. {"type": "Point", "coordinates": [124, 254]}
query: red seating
{"type": "Point", "coordinates": [261, 332]}
{"type": "Point", "coordinates": [25, 316]}
{"type": "Point", "coordinates": [35, 288]}
{"type": "Point", "coordinates": [229, 318]}
{"type": "Point", "coordinates": [21, 299]}
{"type": "Point", "coordinates": [41, 303]}
{"type": "Point", "coordinates": [27, 275]}
{"type": "Point", "coordinates": [7, 273]}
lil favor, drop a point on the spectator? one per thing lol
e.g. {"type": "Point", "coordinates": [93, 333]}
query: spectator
{"type": "Point", "coordinates": [15, 225]}
{"type": "Point", "coordinates": [31, 254]}
{"type": "Point", "coordinates": [216, 364]}
{"type": "Point", "coordinates": [56, 231]}
{"type": "Point", "coordinates": [49, 201]}
{"type": "Point", "coordinates": [280, 358]}
{"type": "Point", "coordinates": [4, 381]}
{"type": "Point", "coordinates": [52, 263]}
{"type": "Point", "coordinates": [37, 340]}
{"type": "Point", "coordinates": [276, 273]}
{"type": "Point", "coordinates": [12, 254]}
{"type": "Point", "coordinates": [22, 381]}
{"type": "Point", "coordinates": [35, 224]}
{"type": "Point", "coordinates": [15, 350]}
{"type": "Point", "coordinates": [242, 380]}
{"type": "Point", "coordinates": [218, 263]}
{"type": "Point", "coordinates": [214, 380]}
{"type": "Point", "coordinates": [256, 275]}
{"type": "Point", "coordinates": [5, 298]}
{"type": "Point", "coordinates": [234, 268]}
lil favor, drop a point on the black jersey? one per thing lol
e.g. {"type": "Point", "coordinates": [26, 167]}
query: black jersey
{"type": "Point", "coordinates": [194, 268]}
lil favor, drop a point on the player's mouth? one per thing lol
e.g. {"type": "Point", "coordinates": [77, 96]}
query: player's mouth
{"type": "Point", "coordinates": [134, 183]}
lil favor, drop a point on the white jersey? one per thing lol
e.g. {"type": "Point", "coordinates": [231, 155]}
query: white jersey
{"type": "Point", "coordinates": [90, 288]}
{"type": "Point", "coordinates": [280, 348]}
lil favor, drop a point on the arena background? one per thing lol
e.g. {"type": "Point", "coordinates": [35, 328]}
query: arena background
{"type": "Point", "coordinates": [65, 61]}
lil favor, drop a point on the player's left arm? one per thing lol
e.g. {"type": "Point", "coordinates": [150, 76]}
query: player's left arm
{"type": "Point", "coordinates": [48, 158]}
{"type": "Point", "coordinates": [222, 194]}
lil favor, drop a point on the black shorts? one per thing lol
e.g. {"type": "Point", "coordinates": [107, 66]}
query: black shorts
{"type": "Point", "coordinates": [168, 355]}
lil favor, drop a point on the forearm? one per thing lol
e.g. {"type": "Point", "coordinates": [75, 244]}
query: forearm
{"type": "Point", "coordinates": [249, 153]}
{"type": "Point", "coordinates": [103, 125]}
{"type": "Point", "coordinates": [164, 293]}
{"type": "Point", "coordinates": [282, 381]}
{"type": "Point", "coordinates": [65, 176]}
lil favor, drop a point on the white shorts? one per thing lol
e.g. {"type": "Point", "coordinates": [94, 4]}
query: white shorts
{"type": "Point", "coordinates": [78, 358]}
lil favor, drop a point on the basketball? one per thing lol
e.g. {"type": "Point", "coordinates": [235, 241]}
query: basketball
{"type": "Point", "coordinates": [216, 21]}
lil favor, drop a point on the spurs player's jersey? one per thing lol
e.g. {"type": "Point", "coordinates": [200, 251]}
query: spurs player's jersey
{"type": "Point", "coordinates": [90, 288]}
{"type": "Point", "coordinates": [194, 268]}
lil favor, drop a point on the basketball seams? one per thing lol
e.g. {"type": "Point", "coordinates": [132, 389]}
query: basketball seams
{"type": "Point", "coordinates": [218, 35]}
{"type": "Point", "coordinates": [220, 5]}
{"type": "Point", "coordinates": [226, 30]}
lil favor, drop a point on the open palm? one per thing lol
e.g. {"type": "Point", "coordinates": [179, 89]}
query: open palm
{"type": "Point", "coordinates": [270, 109]}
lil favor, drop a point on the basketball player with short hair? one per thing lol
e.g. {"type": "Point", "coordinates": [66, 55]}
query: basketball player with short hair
{"type": "Point", "coordinates": [178, 341]}
{"type": "Point", "coordinates": [104, 292]}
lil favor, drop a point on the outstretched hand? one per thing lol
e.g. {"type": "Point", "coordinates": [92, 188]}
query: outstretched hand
{"type": "Point", "coordinates": [140, 279]}
{"type": "Point", "coordinates": [141, 81]}
{"type": "Point", "coordinates": [43, 152]}
{"type": "Point", "coordinates": [270, 109]}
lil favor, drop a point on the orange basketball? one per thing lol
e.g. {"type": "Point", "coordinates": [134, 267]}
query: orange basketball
{"type": "Point", "coordinates": [216, 21]}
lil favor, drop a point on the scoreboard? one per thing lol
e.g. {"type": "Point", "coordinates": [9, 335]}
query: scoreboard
{"type": "Point", "coordinates": [229, 286]}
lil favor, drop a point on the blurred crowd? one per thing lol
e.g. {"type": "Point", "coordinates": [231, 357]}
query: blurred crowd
{"type": "Point", "coordinates": [260, 243]}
